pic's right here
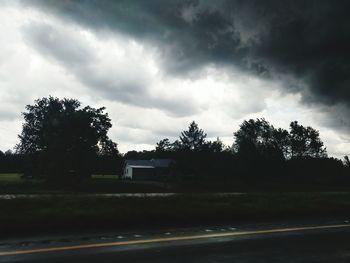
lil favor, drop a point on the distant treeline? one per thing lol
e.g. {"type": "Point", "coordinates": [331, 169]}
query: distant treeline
{"type": "Point", "coordinates": [60, 140]}
{"type": "Point", "coordinates": [260, 151]}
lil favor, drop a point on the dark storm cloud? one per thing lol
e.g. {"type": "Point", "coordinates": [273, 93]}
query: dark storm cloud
{"type": "Point", "coordinates": [78, 57]}
{"type": "Point", "coordinates": [184, 45]}
{"type": "Point", "coordinates": [56, 44]}
{"type": "Point", "coordinates": [308, 40]}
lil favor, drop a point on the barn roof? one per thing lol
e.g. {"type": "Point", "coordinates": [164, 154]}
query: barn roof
{"type": "Point", "coordinates": [153, 163]}
{"type": "Point", "coordinates": [141, 166]}
{"type": "Point", "coordinates": [162, 162]}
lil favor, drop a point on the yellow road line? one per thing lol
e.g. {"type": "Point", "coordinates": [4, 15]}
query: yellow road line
{"type": "Point", "coordinates": [168, 239]}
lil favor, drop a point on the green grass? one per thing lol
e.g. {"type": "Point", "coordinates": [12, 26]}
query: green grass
{"type": "Point", "coordinates": [13, 184]}
{"type": "Point", "coordinates": [10, 178]}
{"type": "Point", "coordinates": [56, 214]}
{"type": "Point", "coordinates": [15, 178]}
{"type": "Point", "coordinates": [105, 176]}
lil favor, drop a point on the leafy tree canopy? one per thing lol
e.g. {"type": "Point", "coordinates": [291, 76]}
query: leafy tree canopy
{"type": "Point", "coordinates": [66, 136]}
{"type": "Point", "coordinates": [216, 146]}
{"type": "Point", "coordinates": [164, 146]}
{"type": "Point", "coordinates": [257, 139]}
{"type": "Point", "coordinates": [346, 161]}
{"type": "Point", "coordinates": [306, 142]}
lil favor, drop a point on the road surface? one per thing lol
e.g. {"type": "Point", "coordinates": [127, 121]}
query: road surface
{"type": "Point", "coordinates": [311, 243]}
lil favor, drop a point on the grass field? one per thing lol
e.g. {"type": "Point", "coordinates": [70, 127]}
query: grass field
{"type": "Point", "coordinates": [76, 208]}
{"type": "Point", "coordinates": [13, 184]}
{"type": "Point", "coordinates": [16, 178]}
{"type": "Point", "coordinates": [77, 213]}
{"type": "Point", "coordinates": [10, 178]}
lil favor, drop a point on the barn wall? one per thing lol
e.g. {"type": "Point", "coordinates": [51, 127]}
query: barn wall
{"type": "Point", "coordinates": [128, 172]}
{"type": "Point", "coordinates": [143, 174]}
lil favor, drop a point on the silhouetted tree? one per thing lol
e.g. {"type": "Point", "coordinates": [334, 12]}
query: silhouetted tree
{"type": "Point", "coordinates": [256, 140]}
{"type": "Point", "coordinates": [12, 162]}
{"type": "Point", "coordinates": [192, 139]}
{"type": "Point", "coordinates": [306, 142]}
{"type": "Point", "coordinates": [109, 161]}
{"type": "Point", "coordinates": [164, 146]}
{"type": "Point", "coordinates": [281, 139]}
{"type": "Point", "coordinates": [216, 146]}
{"type": "Point", "coordinates": [64, 137]}
{"type": "Point", "coordinates": [108, 148]}
{"type": "Point", "coordinates": [177, 146]}
{"type": "Point", "coordinates": [9, 152]}
{"type": "Point", "coordinates": [347, 161]}
{"type": "Point", "coordinates": [2, 162]}
{"type": "Point", "coordinates": [141, 155]}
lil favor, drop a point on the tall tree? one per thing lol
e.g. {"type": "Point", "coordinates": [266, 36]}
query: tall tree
{"type": "Point", "coordinates": [346, 161]}
{"type": "Point", "coordinates": [255, 131]}
{"type": "Point", "coordinates": [258, 139]}
{"type": "Point", "coordinates": [64, 136]}
{"type": "Point", "coordinates": [281, 139]}
{"type": "Point", "coordinates": [305, 141]}
{"type": "Point", "coordinates": [194, 138]}
{"type": "Point", "coordinates": [108, 148]}
{"type": "Point", "coordinates": [216, 146]}
{"type": "Point", "coordinates": [164, 146]}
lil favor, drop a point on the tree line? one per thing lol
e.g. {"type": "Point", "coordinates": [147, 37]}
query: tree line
{"type": "Point", "coordinates": [60, 140]}
{"type": "Point", "coordinates": [259, 152]}
{"type": "Point", "coordinates": [254, 139]}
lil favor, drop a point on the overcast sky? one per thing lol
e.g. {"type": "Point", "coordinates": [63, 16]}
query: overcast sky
{"type": "Point", "coordinates": [158, 65]}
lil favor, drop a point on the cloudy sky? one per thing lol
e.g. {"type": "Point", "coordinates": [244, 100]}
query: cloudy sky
{"type": "Point", "coordinates": [157, 65]}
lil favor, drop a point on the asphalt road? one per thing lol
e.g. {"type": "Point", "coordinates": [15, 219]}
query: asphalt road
{"type": "Point", "coordinates": [277, 244]}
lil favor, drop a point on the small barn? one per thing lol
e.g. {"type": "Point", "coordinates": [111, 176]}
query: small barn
{"type": "Point", "coordinates": [147, 170]}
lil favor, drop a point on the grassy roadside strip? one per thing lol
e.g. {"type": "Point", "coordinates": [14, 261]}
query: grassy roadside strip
{"type": "Point", "coordinates": [13, 184]}
{"type": "Point", "coordinates": [75, 213]}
